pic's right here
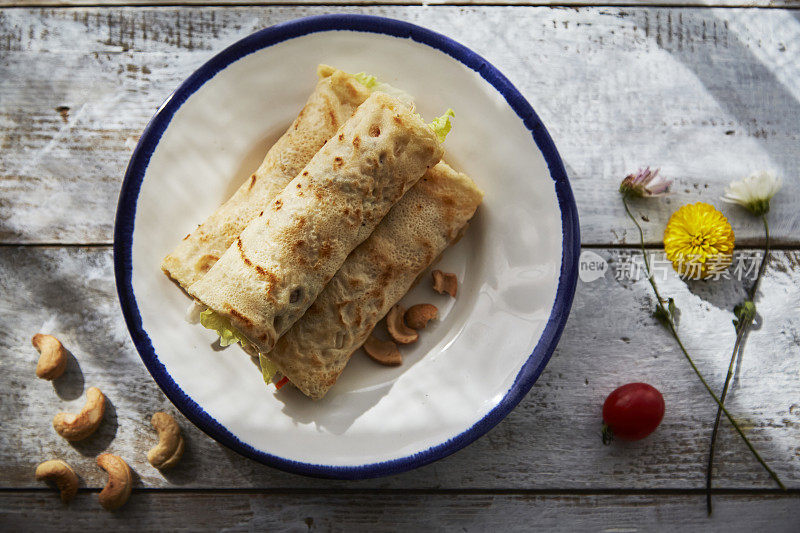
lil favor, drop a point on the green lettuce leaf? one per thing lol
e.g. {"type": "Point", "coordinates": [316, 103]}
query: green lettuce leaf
{"type": "Point", "coordinates": [367, 80]}
{"type": "Point", "coordinates": [371, 82]}
{"type": "Point", "coordinates": [268, 368]}
{"type": "Point", "coordinates": [442, 125]}
{"type": "Point", "coordinates": [230, 335]}
{"type": "Point", "coordinates": [227, 333]}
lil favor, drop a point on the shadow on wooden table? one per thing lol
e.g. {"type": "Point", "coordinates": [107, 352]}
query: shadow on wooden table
{"type": "Point", "coordinates": [69, 386]}
{"type": "Point", "coordinates": [720, 65]}
{"type": "Point", "coordinates": [188, 468]}
{"type": "Point", "coordinates": [721, 293]}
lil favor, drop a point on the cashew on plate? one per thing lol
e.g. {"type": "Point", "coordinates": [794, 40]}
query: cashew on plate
{"type": "Point", "coordinates": [52, 356]}
{"type": "Point", "coordinates": [418, 316]}
{"type": "Point", "coordinates": [445, 282]}
{"type": "Point", "coordinates": [169, 449]}
{"type": "Point", "coordinates": [120, 481]}
{"type": "Point", "coordinates": [396, 326]}
{"type": "Point", "coordinates": [383, 352]}
{"type": "Point", "coordinates": [64, 477]}
{"type": "Point", "coordinates": [77, 427]}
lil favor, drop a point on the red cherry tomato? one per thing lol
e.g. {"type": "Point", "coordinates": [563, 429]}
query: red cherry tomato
{"type": "Point", "coordinates": [632, 412]}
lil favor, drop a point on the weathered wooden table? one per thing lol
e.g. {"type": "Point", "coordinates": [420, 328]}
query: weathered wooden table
{"type": "Point", "coordinates": [708, 95]}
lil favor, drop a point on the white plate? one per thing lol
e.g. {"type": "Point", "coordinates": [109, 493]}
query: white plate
{"type": "Point", "coordinates": [517, 263]}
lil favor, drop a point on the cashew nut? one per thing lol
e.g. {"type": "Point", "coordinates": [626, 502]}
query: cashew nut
{"type": "Point", "coordinates": [118, 489]}
{"type": "Point", "coordinates": [78, 427]}
{"type": "Point", "coordinates": [169, 449]}
{"type": "Point", "coordinates": [445, 282]}
{"type": "Point", "coordinates": [397, 327]}
{"type": "Point", "coordinates": [417, 316]}
{"type": "Point", "coordinates": [52, 359]}
{"type": "Point", "coordinates": [65, 478]}
{"type": "Point", "coordinates": [383, 352]}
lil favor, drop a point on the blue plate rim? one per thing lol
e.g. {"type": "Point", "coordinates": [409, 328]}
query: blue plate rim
{"type": "Point", "coordinates": [134, 175]}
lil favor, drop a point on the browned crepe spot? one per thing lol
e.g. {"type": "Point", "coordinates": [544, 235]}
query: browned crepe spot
{"type": "Point", "coordinates": [206, 262]}
{"type": "Point", "coordinates": [325, 251]}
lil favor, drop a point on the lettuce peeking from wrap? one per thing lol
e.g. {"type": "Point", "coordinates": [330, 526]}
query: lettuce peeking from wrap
{"type": "Point", "coordinates": [268, 368]}
{"type": "Point", "coordinates": [441, 125]}
{"type": "Point", "coordinates": [371, 82]}
{"type": "Point", "coordinates": [230, 335]}
{"type": "Point", "coordinates": [367, 80]}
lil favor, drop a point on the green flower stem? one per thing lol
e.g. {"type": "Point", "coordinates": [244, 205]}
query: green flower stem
{"type": "Point", "coordinates": [742, 329]}
{"type": "Point", "coordinates": [641, 245]}
{"type": "Point", "coordinates": [740, 333]}
{"type": "Point", "coordinates": [671, 326]}
{"type": "Point", "coordinates": [755, 453]}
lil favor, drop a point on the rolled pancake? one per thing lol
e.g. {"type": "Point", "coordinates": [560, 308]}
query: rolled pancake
{"type": "Point", "coordinates": [284, 257]}
{"type": "Point", "coordinates": [334, 100]}
{"type": "Point", "coordinates": [375, 276]}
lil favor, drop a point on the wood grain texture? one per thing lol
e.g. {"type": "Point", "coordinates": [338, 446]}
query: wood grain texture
{"type": "Point", "coordinates": [70, 293]}
{"type": "Point", "coordinates": [168, 511]}
{"type": "Point", "coordinates": [709, 95]}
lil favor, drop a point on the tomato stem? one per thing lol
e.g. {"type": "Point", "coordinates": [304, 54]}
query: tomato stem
{"type": "Point", "coordinates": [608, 434]}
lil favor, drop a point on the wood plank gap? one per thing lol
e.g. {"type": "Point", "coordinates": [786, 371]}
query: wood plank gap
{"type": "Point", "coordinates": [435, 492]}
{"type": "Point", "coordinates": [659, 246]}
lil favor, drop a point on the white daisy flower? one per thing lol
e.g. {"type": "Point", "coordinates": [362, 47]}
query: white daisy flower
{"type": "Point", "coordinates": [753, 192]}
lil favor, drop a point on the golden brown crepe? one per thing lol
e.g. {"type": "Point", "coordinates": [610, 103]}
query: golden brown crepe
{"type": "Point", "coordinates": [313, 353]}
{"type": "Point", "coordinates": [335, 98]}
{"type": "Point", "coordinates": [284, 257]}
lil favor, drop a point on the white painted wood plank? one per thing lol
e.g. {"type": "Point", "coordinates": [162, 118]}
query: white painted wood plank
{"type": "Point", "coordinates": [550, 441]}
{"type": "Point", "coordinates": [707, 94]}
{"type": "Point", "coordinates": [168, 511]}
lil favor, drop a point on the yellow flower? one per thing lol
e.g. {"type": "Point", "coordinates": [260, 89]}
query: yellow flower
{"type": "Point", "coordinates": [699, 241]}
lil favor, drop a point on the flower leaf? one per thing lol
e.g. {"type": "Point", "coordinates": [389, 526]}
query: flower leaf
{"type": "Point", "coordinates": [745, 313]}
{"type": "Point", "coordinates": [673, 310]}
{"type": "Point", "coordinates": [667, 315]}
